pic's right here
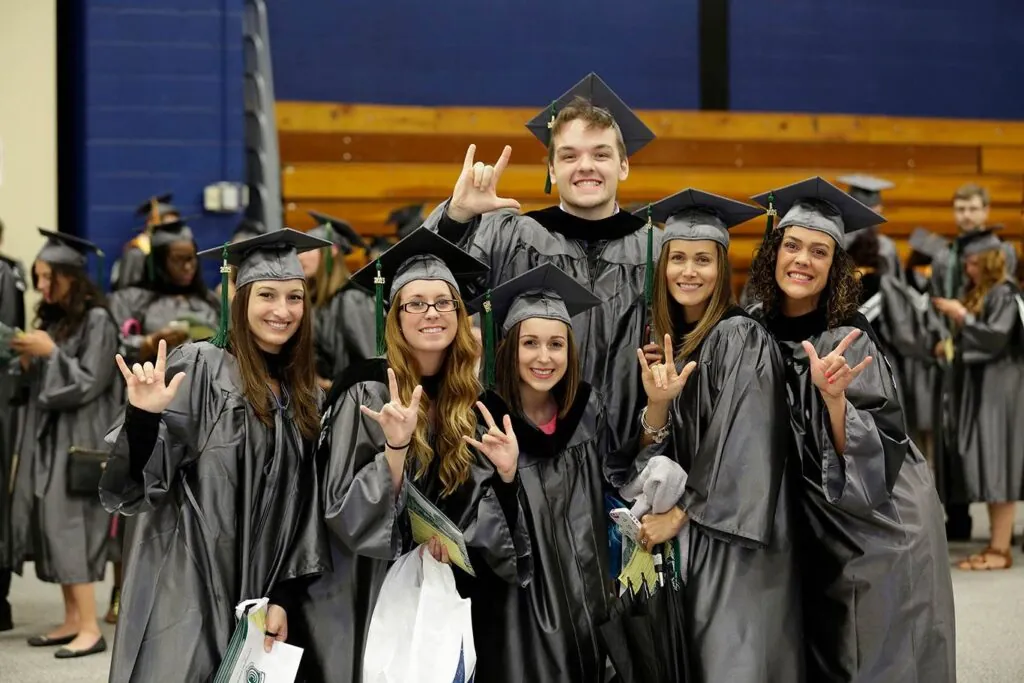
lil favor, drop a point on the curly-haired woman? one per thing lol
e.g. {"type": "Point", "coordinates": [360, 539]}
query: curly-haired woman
{"type": "Point", "coordinates": [878, 602]}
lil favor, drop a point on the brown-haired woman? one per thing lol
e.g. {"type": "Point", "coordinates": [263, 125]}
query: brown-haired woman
{"type": "Point", "coordinates": [72, 397]}
{"type": "Point", "coordinates": [397, 421]}
{"type": "Point", "coordinates": [547, 630]}
{"type": "Point", "coordinates": [344, 326]}
{"type": "Point", "coordinates": [215, 463]}
{"type": "Point", "coordinates": [725, 428]}
{"type": "Point", "coordinates": [988, 391]}
{"type": "Point", "coordinates": [878, 600]}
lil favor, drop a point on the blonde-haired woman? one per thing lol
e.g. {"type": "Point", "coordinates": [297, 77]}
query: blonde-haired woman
{"type": "Point", "coordinates": [399, 420]}
{"type": "Point", "coordinates": [988, 392]}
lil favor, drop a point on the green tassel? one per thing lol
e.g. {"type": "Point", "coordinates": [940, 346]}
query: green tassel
{"type": "Point", "coordinates": [551, 150]}
{"type": "Point", "coordinates": [769, 219]}
{"type": "Point", "coordinates": [649, 274]}
{"type": "Point", "coordinates": [220, 340]}
{"type": "Point", "coordinates": [101, 267]}
{"type": "Point", "coordinates": [378, 286]}
{"type": "Point", "coordinates": [329, 251]}
{"type": "Point", "coordinates": [488, 335]}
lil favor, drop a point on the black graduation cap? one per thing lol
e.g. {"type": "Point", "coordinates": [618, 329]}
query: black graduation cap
{"type": "Point", "coordinates": [246, 229]}
{"type": "Point", "coordinates": [66, 250]}
{"type": "Point", "coordinates": [697, 215]}
{"type": "Point", "coordinates": [927, 243]}
{"type": "Point", "coordinates": [634, 132]}
{"type": "Point", "coordinates": [270, 256]}
{"type": "Point", "coordinates": [406, 219]}
{"type": "Point", "coordinates": [341, 232]}
{"type": "Point", "coordinates": [163, 206]}
{"type": "Point", "coordinates": [542, 292]}
{"type": "Point", "coordinates": [166, 234]}
{"type": "Point", "coordinates": [866, 189]}
{"type": "Point", "coordinates": [423, 255]}
{"type": "Point", "coordinates": [819, 205]}
{"type": "Point", "coordinates": [979, 241]}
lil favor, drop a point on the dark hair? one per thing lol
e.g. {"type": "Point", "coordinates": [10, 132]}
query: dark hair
{"type": "Point", "coordinates": [865, 251]}
{"type": "Point", "coordinates": [161, 280]}
{"type": "Point", "coordinates": [506, 374]}
{"type": "Point", "coordinates": [969, 191]}
{"type": "Point", "coordinates": [299, 367]}
{"type": "Point", "coordinates": [840, 298]}
{"type": "Point", "coordinates": [595, 117]}
{"type": "Point", "coordinates": [63, 318]}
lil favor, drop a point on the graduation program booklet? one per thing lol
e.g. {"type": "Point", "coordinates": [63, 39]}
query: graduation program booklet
{"type": "Point", "coordinates": [7, 334]}
{"type": "Point", "coordinates": [427, 521]}
{"type": "Point", "coordinates": [246, 661]}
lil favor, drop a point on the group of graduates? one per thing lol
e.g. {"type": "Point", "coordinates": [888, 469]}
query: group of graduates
{"type": "Point", "coordinates": [516, 368]}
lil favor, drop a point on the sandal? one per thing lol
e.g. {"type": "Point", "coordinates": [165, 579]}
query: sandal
{"type": "Point", "coordinates": [980, 562]}
{"type": "Point", "coordinates": [973, 558]}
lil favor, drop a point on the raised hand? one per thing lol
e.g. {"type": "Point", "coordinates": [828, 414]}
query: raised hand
{"type": "Point", "coordinates": [661, 381]}
{"type": "Point", "coordinates": [832, 374]}
{"type": "Point", "coordinates": [476, 191]}
{"type": "Point", "coordinates": [396, 420]}
{"type": "Point", "coordinates": [146, 385]}
{"type": "Point", "coordinates": [501, 448]}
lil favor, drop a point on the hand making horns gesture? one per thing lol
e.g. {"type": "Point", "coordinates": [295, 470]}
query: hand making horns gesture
{"type": "Point", "coordinates": [500, 447]}
{"type": "Point", "coordinates": [146, 385]}
{"type": "Point", "coordinates": [661, 381]}
{"type": "Point", "coordinates": [396, 420]}
{"type": "Point", "coordinates": [476, 191]}
{"type": "Point", "coordinates": [831, 374]}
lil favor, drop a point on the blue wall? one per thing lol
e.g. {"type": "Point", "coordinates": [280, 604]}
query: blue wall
{"type": "Point", "coordinates": [163, 112]}
{"type": "Point", "coordinates": [943, 58]}
{"type": "Point", "coordinates": [491, 53]}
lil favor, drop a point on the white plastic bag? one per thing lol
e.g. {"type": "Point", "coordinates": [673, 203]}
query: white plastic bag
{"type": "Point", "coordinates": [421, 630]}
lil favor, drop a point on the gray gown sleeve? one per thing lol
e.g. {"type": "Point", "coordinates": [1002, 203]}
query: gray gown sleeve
{"type": "Point", "coordinates": [69, 382]}
{"type": "Point", "coordinates": [985, 338]}
{"type": "Point", "coordinates": [361, 506]}
{"type": "Point", "coordinates": [861, 478]}
{"type": "Point", "coordinates": [184, 428]}
{"type": "Point", "coordinates": [909, 321]}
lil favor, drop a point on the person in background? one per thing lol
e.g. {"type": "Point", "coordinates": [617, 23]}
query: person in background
{"type": "Point", "coordinates": [868, 191]}
{"type": "Point", "coordinates": [20, 282]}
{"type": "Point", "coordinates": [12, 315]}
{"type": "Point", "coordinates": [406, 219]}
{"type": "Point", "coordinates": [246, 229]}
{"type": "Point", "coordinates": [987, 393]}
{"type": "Point", "coordinates": [215, 463]}
{"type": "Point", "coordinates": [877, 592]}
{"type": "Point", "coordinates": [72, 399]}
{"type": "Point", "coordinates": [344, 325]}
{"type": "Point", "coordinates": [130, 269]}
{"type": "Point", "coordinates": [590, 134]}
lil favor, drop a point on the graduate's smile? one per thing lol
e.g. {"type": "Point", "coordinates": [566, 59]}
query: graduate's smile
{"type": "Point", "coordinates": [799, 277]}
{"type": "Point", "coordinates": [433, 330]}
{"type": "Point", "coordinates": [542, 373]}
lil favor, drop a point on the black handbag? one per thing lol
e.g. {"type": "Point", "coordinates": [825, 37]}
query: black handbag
{"type": "Point", "coordinates": [85, 468]}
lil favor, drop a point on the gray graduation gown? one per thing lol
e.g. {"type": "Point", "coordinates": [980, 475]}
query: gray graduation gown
{"type": "Point", "coordinates": [607, 256]}
{"type": "Point", "coordinates": [367, 526]}
{"type": "Point", "coordinates": [154, 311]}
{"type": "Point", "coordinates": [223, 510]}
{"type": "Point", "coordinates": [728, 431]}
{"type": "Point", "coordinates": [73, 399]}
{"type": "Point", "coordinates": [344, 331]}
{"type": "Point", "coordinates": [990, 427]}
{"type": "Point", "coordinates": [878, 598]}
{"type": "Point", "coordinates": [129, 270]}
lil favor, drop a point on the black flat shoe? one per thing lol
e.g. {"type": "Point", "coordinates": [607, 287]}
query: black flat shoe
{"type": "Point", "coordinates": [6, 625]}
{"type": "Point", "coordinates": [65, 653]}
{"type": "Point", "coordinates": [43, 641]}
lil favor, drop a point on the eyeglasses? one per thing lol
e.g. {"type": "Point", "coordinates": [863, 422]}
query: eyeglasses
{"type": "Point", "coordinates": [420, 307]}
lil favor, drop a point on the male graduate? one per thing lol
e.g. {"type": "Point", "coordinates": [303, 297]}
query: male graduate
{"type": "Point", "coordinates": [130, 269]}
{"type": "Point", "coordinates": [590, 135]}
{"type": "Point", "coordinates": [868, 191]}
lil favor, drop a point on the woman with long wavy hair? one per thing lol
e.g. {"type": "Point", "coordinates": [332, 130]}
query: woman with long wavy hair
{"type": "Point", "coordinates": [725, 428]}
{"type": "Point", "coordinates": [877, 595]}
{"type": "Point", "coordinates": [71, 397]}
{"type": "Point", "coordinates": [399, 420]}
{"type": "Point", "coordinates": [988, 365]}
{"type": "Point", "coordinates": [215, 464]}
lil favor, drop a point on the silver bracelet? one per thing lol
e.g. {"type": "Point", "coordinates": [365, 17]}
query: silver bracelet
{"type": "Point", "coordinates": [658, 435]}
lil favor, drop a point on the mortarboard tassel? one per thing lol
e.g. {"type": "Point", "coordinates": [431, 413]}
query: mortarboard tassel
{"type": "Point", "coordinates": [101, 267]}
{"type": "Point", "coordinates": [378, 286]}
{"type": "Point", "coordinates": [329, 251]}
{"type": "Point", "coordinates": [488, 335]}
{"type": "Point", "coordinates": [649, 274]}
{"type": "Point", "coordinates": [551, 127]}
{"type": "Point", "coordinates": [220, 340]}
{"type": "Point", "coordinates": [769, 218]}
